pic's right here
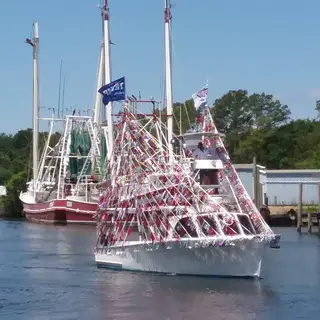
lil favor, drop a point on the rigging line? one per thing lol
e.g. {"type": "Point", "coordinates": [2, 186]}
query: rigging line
{"type": "Point", "coordinates": [173, 53]}
{"type": "Point", "coordinates": [97, 74]}
{"type": "Point", "coordinates": [59, 94]}
{"type": "Point", "coordinates": [187, 113]}
{"type": "Point", "coordinates": [172, 43]}
{"type": "Point", "coordinates": [32, 33]}
{"type": "Point", "coordinates": [163, 90]}
{"type": "Point", "coordinates": [176, 121]}
{"type": "Point", "coordinates": [63, 92]}
{"type": "Point", "coordinates": [173, 56]}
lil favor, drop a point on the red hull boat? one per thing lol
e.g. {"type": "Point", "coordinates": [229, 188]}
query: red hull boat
{"type": "Point", "coordinates": [61, 212]}
{"type": "Point", "coordinates": [63, 188]}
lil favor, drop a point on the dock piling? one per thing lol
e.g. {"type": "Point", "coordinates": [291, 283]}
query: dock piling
{"type": "Point", "coordinates": [299, 217]}
{"type": "Point", "coordinates": [318, 208]}
{"type": "Point", "coordinates": [309, 222]}
{"type": "Point", "coordinates": [255, 181]}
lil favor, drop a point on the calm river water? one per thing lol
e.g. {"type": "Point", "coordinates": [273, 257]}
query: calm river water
{"type": "Point", "coordinates": [48, 272]}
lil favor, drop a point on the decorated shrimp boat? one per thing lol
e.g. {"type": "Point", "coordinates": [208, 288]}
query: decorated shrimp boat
{"type": "Point", "coordinates": [193, 214]}
{"type": "Point", "coordinates": [185, 226]}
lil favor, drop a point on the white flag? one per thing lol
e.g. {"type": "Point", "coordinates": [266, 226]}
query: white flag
{"type": "Point", "coordinates": [200, 97]}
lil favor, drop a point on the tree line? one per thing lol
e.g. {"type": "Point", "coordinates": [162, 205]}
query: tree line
{"type": "Point", "coordinates": [259, 125]}
{"type": "Point", "coordinates": [16, 165]}
{"type": "Point", "coordinates": [255, 125]}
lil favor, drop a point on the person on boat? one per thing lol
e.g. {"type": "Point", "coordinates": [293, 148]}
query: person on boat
{"type": "Point", "coordinates": [201, 152]}
{"type": "Point", "coordinates": [207, 153]}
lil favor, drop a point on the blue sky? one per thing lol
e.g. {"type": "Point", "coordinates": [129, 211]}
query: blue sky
{"type": "Point", "coordinates": [263, 46]}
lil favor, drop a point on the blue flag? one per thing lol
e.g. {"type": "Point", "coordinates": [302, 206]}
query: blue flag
{"type": "Point", "coordinates": [113, 91]}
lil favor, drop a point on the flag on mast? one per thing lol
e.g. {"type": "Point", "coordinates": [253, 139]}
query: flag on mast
{"type": "Point", "coordinates": [200, 97]}
{"type": "Point", "coordinates": [113, 91]}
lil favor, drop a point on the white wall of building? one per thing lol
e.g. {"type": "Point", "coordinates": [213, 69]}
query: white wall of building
{"type": "Point", "coordinates": [3, 191]}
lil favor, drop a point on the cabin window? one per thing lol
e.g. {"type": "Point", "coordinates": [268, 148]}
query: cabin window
{"type": "Point", "coordinates": [246, 224]}
{"type": "Point", "coordinates": [180, 231]}
{"type": "Point", "coordinates": [125, 234]}
{"type": "Point", "coordinates": [229, 225]}
{"type": "Point", "coordinates": [208, 226]}
{"type": "Point", "coordinates": [186, 229]}
{"type": "Point", "coordinates": [131, 236]}
{"type": "Point", "coordinates": [163, 232]}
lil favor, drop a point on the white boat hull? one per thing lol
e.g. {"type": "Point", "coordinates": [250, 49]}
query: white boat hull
{"type": "Point", "coordinates": [243, 259]}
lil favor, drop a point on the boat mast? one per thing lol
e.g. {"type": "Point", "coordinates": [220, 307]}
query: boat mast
{"type": "Point", "coordinates": [100, 79]}
{"type": "Point", "coordinates": [107, 75]}
{"type": "Point", "coordinates": [167, 17]}
{"type": "Point", "coordinates": [35, 114]}
{"type": "Point", "coordinates": [99, 85]}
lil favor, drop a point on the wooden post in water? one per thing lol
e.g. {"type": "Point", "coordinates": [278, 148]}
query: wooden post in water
{"type": "Point", "coordinates": [318, 213]}
{"type": "Point", "coordinates": [299, 217]}
{"type": "Point", "coordinates": [255, 181]}
{"type": "Point", "coordinates": [309, 222]}
{"type": "Point", "coordinates": [260, 193]}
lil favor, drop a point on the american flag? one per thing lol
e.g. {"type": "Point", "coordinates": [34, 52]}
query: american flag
{"type": "Point", "coordinates": [202, 93]}
{"type": "Point", "coordinates": [200, 97]}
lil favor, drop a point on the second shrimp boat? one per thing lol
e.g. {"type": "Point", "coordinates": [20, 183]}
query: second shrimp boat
{"type": "Point", "coordinates": [194, 216]}
{"type": "Point", "coordinates": [64, 185]}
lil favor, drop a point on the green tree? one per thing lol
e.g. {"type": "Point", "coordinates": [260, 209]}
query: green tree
{"type": "Point", "coordinates": [5, 174]}
{"type": "Point", "coordinates": [231, 112]}
{"type": "Point", "coordinates": [249, 147]}
{"type": "Point", "coordinates": [246, 120]}
{"type": "Point", "coordinates": [15, 162]}
{"type": "Point", "coordinates": [14, 186]}
{"type": "Point", "coordinates": [267, 113]}
{"type": "Point", "coordinates": [188, 115]}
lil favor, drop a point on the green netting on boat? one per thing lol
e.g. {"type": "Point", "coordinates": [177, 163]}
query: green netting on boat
{"type": "Point", "coordinates": [103, 153]}
{"type": "Point", "coordinates": [80, 146]}
{"type": "Point", "coordinates": [73, 164]}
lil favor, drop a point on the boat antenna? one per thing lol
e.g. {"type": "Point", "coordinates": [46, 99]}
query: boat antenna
{"type": "Point", "coordinates": [63, 91]}
{"type": "Point", "coordinates": [59, 94]}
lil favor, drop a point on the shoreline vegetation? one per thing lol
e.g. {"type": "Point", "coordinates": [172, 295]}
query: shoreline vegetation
{"type": "Point", "coordinates": [255, 125]}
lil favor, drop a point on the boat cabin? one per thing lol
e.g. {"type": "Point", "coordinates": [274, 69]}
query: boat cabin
{"type": "Point", "coordinates": [208, 225]}
{"type": "Point", "coordinates": [206, 162]}
{"type": "Point", "coordinates": [184, 227]}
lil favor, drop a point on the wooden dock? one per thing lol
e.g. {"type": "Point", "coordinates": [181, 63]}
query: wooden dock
{"type": "Point", "coordinates": [286, 215]}
{"type": "Point", "coordinates": [298, 216]}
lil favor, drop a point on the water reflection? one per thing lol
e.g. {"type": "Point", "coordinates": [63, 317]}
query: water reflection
{"type": "Point", "coordinates": [182, 296]}
{"type": "Point", "coordinates": [48, 272]}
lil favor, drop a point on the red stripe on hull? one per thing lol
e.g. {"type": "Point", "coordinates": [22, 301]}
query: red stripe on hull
{"type": "Point", "coordinates": [61, 211]}
{"type": "Point", "coordinates": [77, 217]}
{"type": "Point", "coordinates": [82, 212]}
{"type": "Point", "coordinates": [52, 216]}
